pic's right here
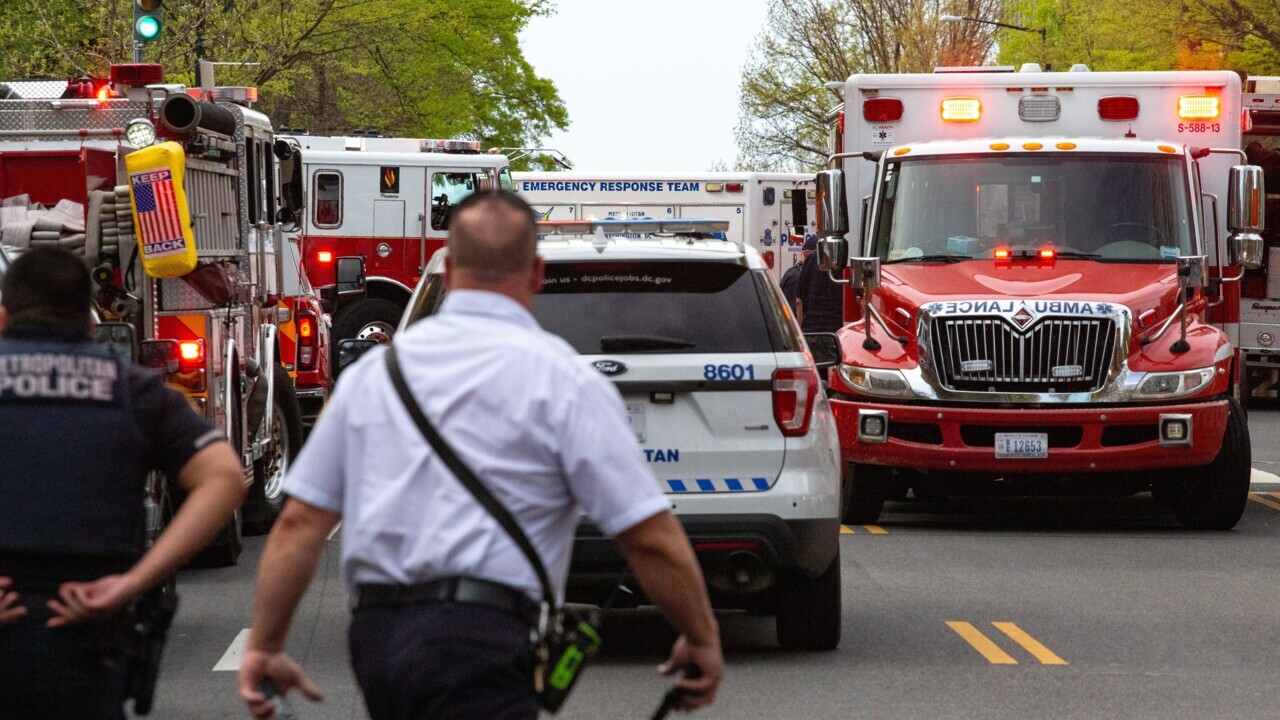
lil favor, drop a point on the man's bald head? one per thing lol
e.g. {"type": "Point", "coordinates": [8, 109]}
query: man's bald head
{"type": "Point", "coordinates": [492, 237]}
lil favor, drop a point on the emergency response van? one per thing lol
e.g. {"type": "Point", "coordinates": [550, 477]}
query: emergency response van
{"type": "Point", "coordinates": [388, 200]}
{"type": "Point", "coordinates": [172, 196]}
{"type": "Point", "coordinates": [729, 415]}
{"type": "Point", "coordinates": [1048, 266]}
{"type": "Point", "coordinates": [768, 211]}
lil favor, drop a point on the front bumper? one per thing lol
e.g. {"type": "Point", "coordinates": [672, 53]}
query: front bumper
{"type": "Point", "coordinates": [739, 554]}
{"type": "Point", "coordinates": [1081, 440]}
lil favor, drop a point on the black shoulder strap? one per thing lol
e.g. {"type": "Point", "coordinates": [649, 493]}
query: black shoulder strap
{"type": "Point", "coordinates": [468, 478]}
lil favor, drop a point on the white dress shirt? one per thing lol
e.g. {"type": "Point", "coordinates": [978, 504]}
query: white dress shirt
{"type": "Point", "coordinates": [545, 432]}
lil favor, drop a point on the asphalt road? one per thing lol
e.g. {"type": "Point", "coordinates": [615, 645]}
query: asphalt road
{"type": "Point", "coordinates": [1002, 608]}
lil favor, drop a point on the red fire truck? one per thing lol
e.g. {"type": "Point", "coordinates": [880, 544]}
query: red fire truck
{"type": "Point", "coordinates": [389, 201]}
{"type": "Point", "coordinates": [74, 162]}
{"type": "Point", "coordinates": [1048, 278]}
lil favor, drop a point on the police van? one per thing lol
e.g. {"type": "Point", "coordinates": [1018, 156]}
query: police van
{"type": "Point", "coordinates": [768, 211]}
{"type": "Point", "coordinates": [729, 414]}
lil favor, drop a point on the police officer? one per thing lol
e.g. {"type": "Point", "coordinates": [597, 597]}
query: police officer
{"type": "Point", "coordinates": [819, 299]}
{"type": "Point", "coordinates": [79, 433]}
{"type": "Point", "coordinates": [790, 282]}
{"type": "Point", "coordinates": [442, 595]}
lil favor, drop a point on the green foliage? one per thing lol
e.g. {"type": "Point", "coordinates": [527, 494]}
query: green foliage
{"type": "Point", "coordinates": [1103, 34]}
{"type": "Point", "coordinates": [419, 68]}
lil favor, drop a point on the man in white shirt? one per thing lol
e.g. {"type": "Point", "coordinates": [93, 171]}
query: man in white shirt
{"type": "Point", "coordinates": [443, 596]}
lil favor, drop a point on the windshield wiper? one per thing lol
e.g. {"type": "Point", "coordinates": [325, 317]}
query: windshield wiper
{"type": "Point", "coordinates": [930, 258]}
{"type": "Point", "coordinates": [624, 343]}
{"type": "Point", "coordinates": [1077, 255]}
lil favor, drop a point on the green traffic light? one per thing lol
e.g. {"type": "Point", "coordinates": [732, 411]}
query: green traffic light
{"type": "Point", "coordinates": [147, 27]}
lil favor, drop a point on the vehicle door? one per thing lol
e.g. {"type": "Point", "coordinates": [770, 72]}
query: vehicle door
{"type": "Point", "coordinates": [445, 189]}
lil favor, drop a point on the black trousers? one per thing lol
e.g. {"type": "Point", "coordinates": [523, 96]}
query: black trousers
{"type": "Point", "coordinates": [70, 673]}
{"type": "Point", "coordinates": [443, 660]}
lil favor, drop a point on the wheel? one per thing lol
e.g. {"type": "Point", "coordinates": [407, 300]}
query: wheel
{"type": "Point", "coordinates": [865, 486]}
{"type": "Point", "coordinates": [809, 609]}
{"type": "Point", "coordinates": [367, 319]}
{"type": "Point", "coordinates": [1213, 497]}
{"type": "Point", "coordinates": [266, 495]}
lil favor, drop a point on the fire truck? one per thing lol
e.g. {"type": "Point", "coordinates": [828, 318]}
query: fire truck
{"type": "Point", "coordinates": [1260, 289]}
{"type": "Point", "coordinates": [1047, 270]}
{"type": "Point", "coordinates": [388, 200]}
{"type": "Point", "coordinates": [769, 211]}
{"type": "Point", "coordinates": [87, 166]}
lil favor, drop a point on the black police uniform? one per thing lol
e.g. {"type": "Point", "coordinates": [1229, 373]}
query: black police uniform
{"type": "Point", "coordinates": [78, 434]}
{"type": "Point", "coordinates": [822, 298]}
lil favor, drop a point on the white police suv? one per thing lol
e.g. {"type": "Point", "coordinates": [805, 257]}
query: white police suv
{"type": "Point", "coordinates": [725, 398]}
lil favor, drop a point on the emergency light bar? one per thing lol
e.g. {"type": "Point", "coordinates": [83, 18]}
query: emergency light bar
{"type": "Point", "coordinates": [237, 95]}
{"type": "Point", "coordinates": [450, 146]}
{"type": "Point", "coordinates": [1198, 107]}
{"type": "Point", "coordinates": [636, 226]}
{"type": "Point", "coordinates": [961, 109]}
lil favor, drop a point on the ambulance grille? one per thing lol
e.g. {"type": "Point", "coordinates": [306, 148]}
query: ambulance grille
{"type": "Point", "coordinates": [1060, 355]}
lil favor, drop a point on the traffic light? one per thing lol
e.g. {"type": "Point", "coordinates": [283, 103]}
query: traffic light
{"type": "Point", "coordinates": [146, 20]}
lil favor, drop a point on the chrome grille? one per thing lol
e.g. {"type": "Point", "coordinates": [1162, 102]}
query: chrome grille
{"type": "Point", "coordinates": [986, 354]}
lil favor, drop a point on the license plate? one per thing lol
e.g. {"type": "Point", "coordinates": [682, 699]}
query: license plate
{"type": "Point", "coordinates": [1022, 445]}
{"type": "Point", "coordinates": [635, 419]}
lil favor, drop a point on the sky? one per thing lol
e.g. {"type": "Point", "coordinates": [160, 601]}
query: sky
{"type": "Point", "coordinates": [650, 85]}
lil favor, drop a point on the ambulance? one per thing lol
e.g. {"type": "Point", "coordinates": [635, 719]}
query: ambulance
{"type": "Point", "coordinates": [388, 200]}
{"type": "Point", "coordinates": [1048, 267]}
{"type": "Point", "coordinates": [768, 211]}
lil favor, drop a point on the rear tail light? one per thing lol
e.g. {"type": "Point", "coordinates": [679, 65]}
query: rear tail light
{"type": "Point", "coordinates": [733, 187]}
{"type": "Point", "coordinates": [793, 399]}
{"type": "Point", "coordinates": [880, 110]}
{"type": "Point", "coordinates": [1198, 107]}
{"type": "Point", "coordinates": [961, 109]}
{"type": "Point", "coordinates": [306, 340]}
{"type": "Point", "coordinates": [1118, 107]}
{"type": "Point", "coordinates": [190, 355]}
{"type": "Point", "coordinates": [183, 362]}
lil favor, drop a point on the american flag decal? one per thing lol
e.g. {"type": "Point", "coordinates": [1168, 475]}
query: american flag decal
{"type": "Point", "coordinates": [159, 224]}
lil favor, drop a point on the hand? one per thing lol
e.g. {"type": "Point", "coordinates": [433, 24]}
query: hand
{"type": "Point", "coordinates": [698, 692]}
{"type": "Point", "coordinates": [93, 601]}
{"type": "Point", "coordinates": [10, 610]}
{"type": "Point", "coordinates": [283, 672]}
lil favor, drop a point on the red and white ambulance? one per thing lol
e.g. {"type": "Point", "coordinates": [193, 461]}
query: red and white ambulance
{"type": "Point", "coordinates": [1048, 264]}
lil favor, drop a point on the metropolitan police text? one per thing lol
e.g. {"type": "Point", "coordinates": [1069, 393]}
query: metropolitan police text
{"type": "Point", "coordinates": [49, 375]}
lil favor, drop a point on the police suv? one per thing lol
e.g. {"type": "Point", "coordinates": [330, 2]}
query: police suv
{"type": "Point", "coordinates": [724, 397]}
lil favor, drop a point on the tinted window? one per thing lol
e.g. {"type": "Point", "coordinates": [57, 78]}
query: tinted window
{"type": "Point", "coordinates": [328, 194]}
{"type": "Point", "coordinates": [653, 307]}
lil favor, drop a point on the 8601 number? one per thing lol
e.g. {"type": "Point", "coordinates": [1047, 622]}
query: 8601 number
{"type": "Point", "coordinates": [729, 372]}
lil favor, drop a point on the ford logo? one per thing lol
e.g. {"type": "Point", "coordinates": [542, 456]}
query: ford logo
{"type": "Point", "coordinates": [610, 367]}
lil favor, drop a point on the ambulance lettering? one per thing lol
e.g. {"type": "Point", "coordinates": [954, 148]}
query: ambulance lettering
{"type": "Point", "coordinates": [662, 455]}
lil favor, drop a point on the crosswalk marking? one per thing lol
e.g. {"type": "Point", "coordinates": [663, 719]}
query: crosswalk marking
{"type": "Point", "coordinates": [230, 661]}
{"type": "Point", "coordinates": [1261, 500]}
{"type": "Point", "coordinates": [982, 643]}
{"type": "Point", "coordinates": [1030, 644]}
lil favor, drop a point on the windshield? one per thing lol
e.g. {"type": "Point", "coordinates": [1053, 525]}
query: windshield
{"type": "Point", "coordinates": [1113, 208]}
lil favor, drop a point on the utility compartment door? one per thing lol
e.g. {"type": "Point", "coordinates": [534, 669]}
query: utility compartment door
{"type": "Point", "coordinates": [388, 232]}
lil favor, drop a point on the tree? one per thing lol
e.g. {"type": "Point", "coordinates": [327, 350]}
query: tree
{"type": "Point", "coordinates": [1103, 34]}
{"type": "Point", "coordinates": [784, 108]}
{"type": "Point", "coordinates": [419, 68]}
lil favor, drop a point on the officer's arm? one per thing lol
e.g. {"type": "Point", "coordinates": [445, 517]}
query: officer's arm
{"type": "Point", "coordinates": [664, 564]}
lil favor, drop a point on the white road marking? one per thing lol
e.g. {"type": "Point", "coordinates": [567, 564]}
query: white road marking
{"type": "Point", "coordinates": [230, 661]}
{"type": "Point", "coordinates": [1260, 477]}
{"type": "Point", "coordinates": [338, 527]}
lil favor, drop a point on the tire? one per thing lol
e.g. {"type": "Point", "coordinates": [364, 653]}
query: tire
{"type": "Point", "coordinates": [367, 318]}
{"type": "Point", "coordinates": [1213, 497]}
{"type": "Point", "coordinates": [865, 487]}
{"type": "Point", "coordinates": [266, 496]}
{"type": "Point", "coordinates": [809, 609]}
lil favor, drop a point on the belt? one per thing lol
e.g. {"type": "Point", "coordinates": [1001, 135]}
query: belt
{"type": "Point", "coordinates": [462, 590]}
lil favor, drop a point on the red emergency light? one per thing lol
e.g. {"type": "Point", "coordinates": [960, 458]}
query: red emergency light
{"type": "Point", "coordinates": [190, 354]}
{"type": "Point", "coordinates": [1118, 107]}
{"type": "Point", "coordinates": [1047, 253]}
{"type": "Point", "coordinates": [137, 75]}
{"type": "Point", "coordinates": [1003, 253]}
{"type": "Point", "coordinates": [881, 109]}
{"type": "Point", "coordinates": [733, 187]}
{"type": "Point", "coordinates": [1198, 107]}
{"type": "Point", "coordinates": [324, 256]}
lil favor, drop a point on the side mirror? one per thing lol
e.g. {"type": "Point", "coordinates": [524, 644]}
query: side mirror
{"type": "Point", "coordinates": [120, 338]}
{"type": "Point", "coordinates": [292, 192]}
{"type": "Point", "coordinates": [800, 207]}
{"type": "Point", "coordinates": [159, 354]}
{"type": "Point", "coordinates": [825, 348]}
{"type": "Point", "coordinates": [1246, 216]}
{"type": "Point", "coordinates": [866, 273]}
{"type": "Point", "coordinates": [1192, 272]}
{"type": "Point", "coordinates": [349, 287]}
{"type": "Point", "coordinates": [833, 254]}
{"type": "Point", "coordinates": [833, 212]}
{"type": "Point", "coordinates": [351, 350]}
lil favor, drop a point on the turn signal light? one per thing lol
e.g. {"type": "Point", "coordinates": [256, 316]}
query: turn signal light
{"type": "Point", "coordinates": [1198, 107]}
{"type": "Point", "coordinates": [961, 109]}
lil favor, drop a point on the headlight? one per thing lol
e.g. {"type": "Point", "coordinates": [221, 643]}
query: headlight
{"type": "Point", "coordinates": [140, 133]}
{"type": "Point", "coordinates": [1174, 384]}
{"type": "Point", "coordinates": [882, 383]}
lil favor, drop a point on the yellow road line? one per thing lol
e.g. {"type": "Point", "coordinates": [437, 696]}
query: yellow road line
{"type": "Point", "coordinates": [1033, 646]}
{"type": "Point", "coordinates": [1263, 501]}
{"type": "Point", "coordinates": [1276, 495]}
{"type": "Point", "coordinates": [982, 644]}
{"type": "Point", "coordinates": [846, 530]}
{"type": "Point", "coordinates": [876, 530]}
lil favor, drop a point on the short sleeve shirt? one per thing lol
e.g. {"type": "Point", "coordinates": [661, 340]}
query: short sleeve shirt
{"type": "Point", "coordinates": [544, 431]}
